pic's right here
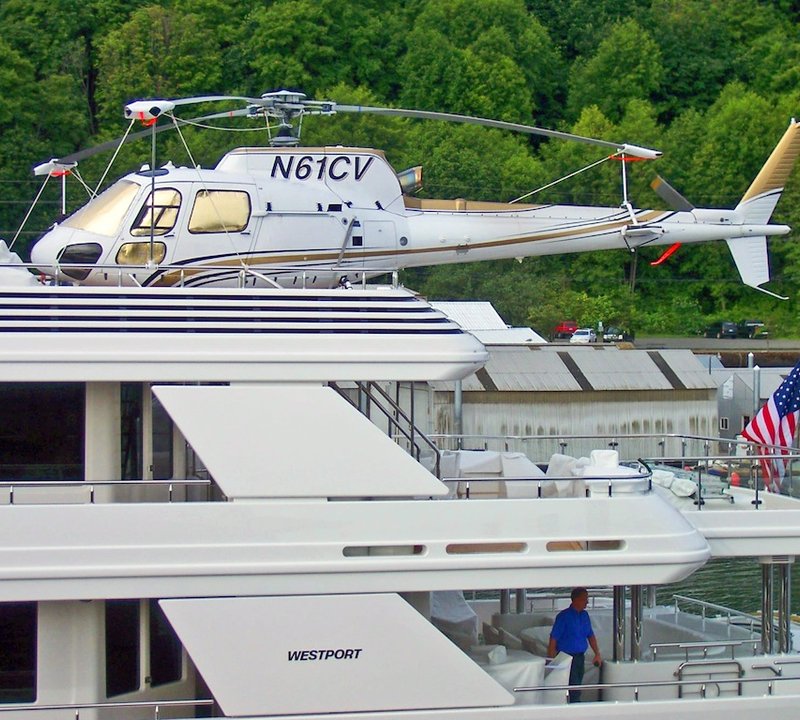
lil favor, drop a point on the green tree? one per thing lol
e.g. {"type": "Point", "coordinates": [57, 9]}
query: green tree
{"type": "Point", "coordinates": [697, 51]}
{"type": "Point", "coordinates": [42, 122]}
{"type": "Point", "coordinates": [626, 66]}
{"type": "Point", "coordinates": [312, 44]}
{"type": "Point", "coordinates": [57, 42]}
{"type": "Point", "coordinates": [472, 162]}
{"type": "Point", "coordinates": [154, 54]}
{"type": "Point", "coordinates": [579, 26]}
{"type": "Point", "coordinates": [597, 186]}
{"type": "Point", "coordinates": [491, 59]}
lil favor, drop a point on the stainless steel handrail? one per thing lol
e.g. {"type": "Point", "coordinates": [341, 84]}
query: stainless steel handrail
{"type": "Point", "coordinates": [243, 269]}
{"type": "Point", "coordinates": [414, 431]}
{"type": "Point", "coordinates": [14, 485]}
{"type": "Point", "coordinates": [709, 668]}
{"type": "Point", "coordinates": [654, 683]}
{"type": "Point", "coordinates": [729, 613]}
{"type": "Point", "coordinates": [702, 645]}
{"type": "Point", "coordinates": [77, 707]}
{"type": "Point", "coordinates": [614, 440]}
{"type": "Point", "coordinates": [538, 480]}
{"type": "Point", "coordinates": [694, 449]}
{"type": "Point", "coordinates": [84, 483]}
{"type": "Point", "coordinates": [775, 664]}
{"type": "Point", "coordinates": [408, 435]}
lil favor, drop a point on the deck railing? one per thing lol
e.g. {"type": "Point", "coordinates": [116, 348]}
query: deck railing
{"type": "Point", "coordinates": [704, 608]}
{"type": "Point", "coordinates": [73, 711]}
{"type": "Point", "coordinates": [711, 460]}
{"type": "Point", "coordinates": [244, 273]}
{"type": "Point", "coordinates": [702, 686]}
{"type": "Point", "coordinates": [15, 487]}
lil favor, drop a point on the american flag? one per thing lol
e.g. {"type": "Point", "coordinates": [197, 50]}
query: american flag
{"type": "Point", "coordinates": [774, 424]}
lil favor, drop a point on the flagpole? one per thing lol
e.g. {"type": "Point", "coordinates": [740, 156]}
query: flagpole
{"type": "Point", "coordinates": [756, 389]}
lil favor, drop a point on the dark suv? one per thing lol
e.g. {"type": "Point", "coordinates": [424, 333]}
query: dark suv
{"type": "Point", "coordinates": [722, 329]}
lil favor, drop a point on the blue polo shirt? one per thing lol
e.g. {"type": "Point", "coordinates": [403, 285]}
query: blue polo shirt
{"type": "Point", "coordinates": [571, 631]}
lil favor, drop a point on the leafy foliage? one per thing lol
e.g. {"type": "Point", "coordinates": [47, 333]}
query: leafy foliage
{"type": "Point", "coordinates": [710, 82]}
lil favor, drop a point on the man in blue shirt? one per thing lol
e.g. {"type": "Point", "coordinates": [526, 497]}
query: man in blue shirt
{"type": "Point", "coordinates": [572, 633]}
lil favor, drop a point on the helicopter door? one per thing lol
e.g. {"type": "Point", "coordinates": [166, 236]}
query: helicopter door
{"type": "Point", "coordinates": [221, 229]}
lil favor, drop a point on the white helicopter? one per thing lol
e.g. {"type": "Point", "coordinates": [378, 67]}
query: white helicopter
{"type": "Point", "coordinates": [289, 215]}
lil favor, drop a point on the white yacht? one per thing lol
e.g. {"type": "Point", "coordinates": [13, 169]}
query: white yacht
{"type": "Point", "coordinates": [204, 512]}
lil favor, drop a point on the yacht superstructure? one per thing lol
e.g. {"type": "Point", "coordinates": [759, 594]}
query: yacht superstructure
{"type": "Point", "coordinates": [198, 518]}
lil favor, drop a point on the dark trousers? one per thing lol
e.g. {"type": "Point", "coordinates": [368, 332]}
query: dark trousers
{"type": "Point", "coordinates": [576, 676]}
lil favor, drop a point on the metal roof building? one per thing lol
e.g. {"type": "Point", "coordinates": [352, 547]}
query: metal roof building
{"type": "Point", "coordinates": [736, 398]}
{"type": "Point", "coordinates": [483, 321]}
{"type": "Point", "coordinates": [569, 391]}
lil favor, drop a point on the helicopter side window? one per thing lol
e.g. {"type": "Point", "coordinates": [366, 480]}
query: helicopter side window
{"type": "Point", "coordinates": [104, 215]}
{"type": "Point", "coordinates": [220, 211]}
{"type": "Point", "coordinates": [157, 216]}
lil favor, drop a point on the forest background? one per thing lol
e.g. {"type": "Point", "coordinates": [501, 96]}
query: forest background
{"type": "Point", "coordinates": [711, 83]}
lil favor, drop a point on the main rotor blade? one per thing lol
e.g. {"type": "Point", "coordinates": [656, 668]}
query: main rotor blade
{"type": "Point", "coordinates": [214, 98]}
{"type": "Point", "coordinates": [670, 195]}
{"type": "Point", "coordinates": [626, 148]}
{"type": "Point", "coordinates": [112, 144]}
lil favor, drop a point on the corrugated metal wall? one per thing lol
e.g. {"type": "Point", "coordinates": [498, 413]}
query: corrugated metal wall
{"type": "Point", "coordinates": [583, 413]}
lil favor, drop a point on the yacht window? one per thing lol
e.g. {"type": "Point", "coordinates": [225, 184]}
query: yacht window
{"type": "Point", "coordinates": [41, 431]}
{"type": "Point", "coordinates": [220, 211]}
{"type": "Point", "coordinates": [131, 430]}
{"type": "Point", "coordinates": [584, 545]}
{"type": "Point", "coordinates": [105, 213]}
{"type": "Point", "coordinates": [18, 652]}
{"type": "Point", "coordinates": [131, 436]}
{"type": "Point", "coordinates": [160, 213]}
{"type": "Point", "coordinates": [162, 442]}
{"type": "Point", "coordinates": [122, 646]}
{"type": "Point", "coordinates": [166, 651]}
{"type": "Point", "coordinates": [485, 548]}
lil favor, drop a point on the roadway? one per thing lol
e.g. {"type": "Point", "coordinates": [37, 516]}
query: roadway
{"type": "Point", "coordinates": [769, 352]}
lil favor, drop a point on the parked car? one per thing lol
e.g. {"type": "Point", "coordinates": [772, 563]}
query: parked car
{"type": "Point", "coordinates": [722, 329]}
{"type": "Point", "coordinates": [564, 330]}
{"type": "Point", "coordinates": [751, 329]}
{"type": "Point", "coordinates": [617, 334]}
{"type": "Point", "coordinates": [584, 335]}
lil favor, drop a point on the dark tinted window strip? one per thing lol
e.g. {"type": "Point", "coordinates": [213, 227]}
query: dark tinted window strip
{"type": "Point", "coordinates": [206, 308]}
{"type": "Point", "coordinates": [193, 319]}
{"type": "Point", "coordinates": [232, 331]}
{"type": "Point", "coordinates": [240, 297]}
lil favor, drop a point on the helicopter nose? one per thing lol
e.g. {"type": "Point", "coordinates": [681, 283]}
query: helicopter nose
{"type": "Point", "coordinates": [54, 250]}
{"type": "Point", "coordinates": [44, 254]}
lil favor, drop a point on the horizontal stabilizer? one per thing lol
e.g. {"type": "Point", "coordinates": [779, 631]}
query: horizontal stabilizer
{"type": "Point", "coordinates": [750, 256]}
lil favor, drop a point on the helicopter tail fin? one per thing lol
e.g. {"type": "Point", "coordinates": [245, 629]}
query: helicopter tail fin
{"type": "Point", "coordinates": [757, 205]}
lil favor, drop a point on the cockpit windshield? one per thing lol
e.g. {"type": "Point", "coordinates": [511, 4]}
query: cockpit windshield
{"type": "Point", "coordinates": [105, 213]}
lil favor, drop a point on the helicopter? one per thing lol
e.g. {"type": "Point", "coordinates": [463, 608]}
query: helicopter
{"type": "Point", "coordinates": [287, 215]}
